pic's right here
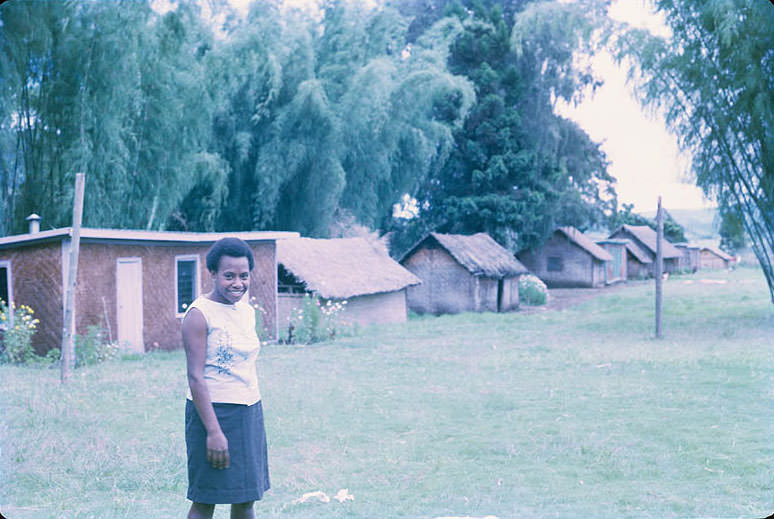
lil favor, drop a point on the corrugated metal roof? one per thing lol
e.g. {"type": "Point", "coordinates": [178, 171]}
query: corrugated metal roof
{"type": "Point", "coordinates": [342, 268]}
{"type": "Point", "coordinates": [152, 236]}
{"type": "Point", "coordinates": [582, 241]}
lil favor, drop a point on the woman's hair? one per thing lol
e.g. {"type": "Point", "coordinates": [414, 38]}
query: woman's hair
{"type": "Point", "coordinates": [233, 247]}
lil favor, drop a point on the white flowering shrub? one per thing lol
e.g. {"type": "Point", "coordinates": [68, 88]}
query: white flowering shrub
{"type": "Point", "coordinates": [93, 348]}
{"type": "Point", "coordinates": [532, 291]}
{"type": "Point", "coordinates": [260, 318]}
{"type": "Point", "coordinates": [315, 321]}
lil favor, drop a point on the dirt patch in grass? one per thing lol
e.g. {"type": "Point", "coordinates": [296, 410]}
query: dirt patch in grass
{"type": "Point", "coordinates": [562, 298]}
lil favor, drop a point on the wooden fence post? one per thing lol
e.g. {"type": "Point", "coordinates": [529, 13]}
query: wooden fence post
{"type": "Point", "coordinates": [659, 266]}
{"type": "Point", "coordinates": [68, 334]}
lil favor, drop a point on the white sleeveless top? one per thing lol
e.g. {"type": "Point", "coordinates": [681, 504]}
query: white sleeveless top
{"type": "Point", "coordinates": [232, 351]}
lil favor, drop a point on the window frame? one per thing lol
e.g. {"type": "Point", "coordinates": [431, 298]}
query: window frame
{"type": "Point", "coordinates": [9, 280]}
{"type": "Point", "coordinates": [196, 281]}
{"type": "Point", "coordinates": [554, 261]}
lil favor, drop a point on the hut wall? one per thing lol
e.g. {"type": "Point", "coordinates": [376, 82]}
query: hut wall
{"type": "Point", "coordinates": [36, 275]}
{"type": "Point", "coordinates": [598, 272]}
{"type": "Point", "coordinates": [635, 269]}
{"type": "Point", "coordinates": [708, 260]}
{"type": "Point", "coordinates": [365, 310]}
{"type": "Point", "coordinates": [510, 294]}
{"type": "Point", "coordinates": [576, 267]}
{"type": "Point", "coordinates": [447, 287]}
{"type": "Point", "coordinates": [487, 294]}
{"type": "Point", "coordinates": [615, 270]}
{"type": "Point", "coordinates": [388, 307]}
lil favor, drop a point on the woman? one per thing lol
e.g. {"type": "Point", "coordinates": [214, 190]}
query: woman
{"type": "Point", "coordinates": [224, 433]}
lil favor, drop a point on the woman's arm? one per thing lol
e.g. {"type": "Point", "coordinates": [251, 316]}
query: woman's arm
{"type": "Point", "coordinates": [195, 343]}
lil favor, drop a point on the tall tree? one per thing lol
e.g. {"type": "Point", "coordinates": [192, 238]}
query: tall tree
{"type": "Point", "coordinates": [518, 169]}
{"type": "Point", "coordinates": [714, 80]}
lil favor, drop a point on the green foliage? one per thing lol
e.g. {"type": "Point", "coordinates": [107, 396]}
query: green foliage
{"type": "Point", "coordinates": [315, 321]}
{"type": "Point", "coordinates": [732, 232]}
{"type": "Point", "coordinates": [713, 81]}
{"type": "Point", "coordinates": [532, 291]}
{"type": "Point", "coordinates": [19, 326]}
{"type": "Point", "coordinates": [93, 348]}
{"type": "Point", "coordinates": [517, 169]}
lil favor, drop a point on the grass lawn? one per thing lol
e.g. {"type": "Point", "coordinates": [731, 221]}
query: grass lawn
{"type": "Point", "coordinates": [572, 413]}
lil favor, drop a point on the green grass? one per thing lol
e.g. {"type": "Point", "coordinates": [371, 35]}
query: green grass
{"type": "Point", "coordinates": [574, 413]}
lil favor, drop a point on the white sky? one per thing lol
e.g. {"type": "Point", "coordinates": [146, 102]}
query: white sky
{"type": "Point", "coordinates": [644, 157]}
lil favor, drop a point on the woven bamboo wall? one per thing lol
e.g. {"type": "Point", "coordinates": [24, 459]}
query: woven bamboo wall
{"type": "Point", "coordinates": [36, 272]}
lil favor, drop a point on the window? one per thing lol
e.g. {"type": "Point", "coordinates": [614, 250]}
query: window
{"type": "Point", "coordinates": [554, 264]}
{"type": "Point", "coordinates": [6, 289]}
{"type": "Point", "coordinates": [186, 282]}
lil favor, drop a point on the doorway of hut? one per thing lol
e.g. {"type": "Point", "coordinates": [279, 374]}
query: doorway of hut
{"type": "Point", "coordinates": [500, 288]}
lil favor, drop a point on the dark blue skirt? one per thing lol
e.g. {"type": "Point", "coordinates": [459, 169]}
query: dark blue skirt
{"type": "Point", "coordinates": [247, 477]}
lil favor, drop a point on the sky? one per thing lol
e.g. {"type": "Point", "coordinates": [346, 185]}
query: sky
{"type": "Point", "coordinates": [643, 155]}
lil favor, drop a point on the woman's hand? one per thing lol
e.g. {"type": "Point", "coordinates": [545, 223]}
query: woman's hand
{"type": "Point", "coordinates": [217, 450]}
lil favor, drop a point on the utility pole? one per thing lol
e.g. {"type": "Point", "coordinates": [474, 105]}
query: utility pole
{"type": "Point", "coordinates": [68, 334]}
{"type": "Point", "coordinates": [659, 266]}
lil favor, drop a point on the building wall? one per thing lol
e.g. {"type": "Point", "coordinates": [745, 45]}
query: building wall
{"type": "Point", "coordinates": [709, 260]}
{"type": "Point", "coordinates": [38, 280]}
{"type": "Point", "coordinates": [577, 265]}
{"type": "Point", "coordinates": [360, 311]}
{"type": "Point", "coordinates": [510, 296]}
{"type": "Point", "coordinates": [446, 287]}
{"type": "Point", "coordinates": [36, 276]}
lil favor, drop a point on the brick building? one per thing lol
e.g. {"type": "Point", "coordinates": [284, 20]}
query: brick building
{"type": "Point", "coordinates": [133, 284]}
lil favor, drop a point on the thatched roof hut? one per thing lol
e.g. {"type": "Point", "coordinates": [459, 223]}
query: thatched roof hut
{"type": "Point", "coordinates": [568, 258]}
{"type": "Point", "coordinates": [644, 242]}
{"type": "Point", "coordinates": [690, 259]}
{"type": "Point", "coordinates": [462, 273]}
{"type": "Point", "coordinates": [373, 284]}
{"type": "Point", "coordinates": [714, 258]}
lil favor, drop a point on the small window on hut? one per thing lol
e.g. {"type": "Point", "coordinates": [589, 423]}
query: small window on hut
{"type": "Point", "coordinates": [5, 287]}
{"type": "Point", "coordinates": [554, 263]}
{"type": "Point", "coordinates": [186, 282]}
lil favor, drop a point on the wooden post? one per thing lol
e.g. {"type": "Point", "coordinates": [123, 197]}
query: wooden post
{"type": "Point", "coordinates": [659, 266]}
{"type": "Point", "coordinates": [68, 334]}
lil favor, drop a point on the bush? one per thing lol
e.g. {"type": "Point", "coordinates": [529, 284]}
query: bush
{"type": "Point", "coordinates": [315, 321]}
{"type": "Point", "coordinates": [92, 348]}
{"type": "Point", "coordinates": [532, 291]}
{"type": "Point", "coordinates": [20, 326]}
{"type": "Point", "coordinates": [260, 317]}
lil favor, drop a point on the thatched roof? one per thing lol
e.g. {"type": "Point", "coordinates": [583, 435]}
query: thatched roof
{"type": "Point", "coordinates": [649, 238]}
{"type": "Point", "coordinates": [582, 241]}
{"type": "Point", "coordinates": [342, 268]}
{"type": "Point", "coordinates": [717, 252]}
{"type": "Point", "coordinates": [638, 253]}
{"type": "Point", "coordinates": [478, 253]}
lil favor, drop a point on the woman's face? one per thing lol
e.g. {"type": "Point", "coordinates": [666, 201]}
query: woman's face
{"type": "Point", "coordinates": [232, 279]}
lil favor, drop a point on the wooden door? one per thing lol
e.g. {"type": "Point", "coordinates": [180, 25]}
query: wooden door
{"type": "Point", "coordinates": [129, 298]}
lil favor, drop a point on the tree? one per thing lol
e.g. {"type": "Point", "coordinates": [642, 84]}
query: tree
{"type": "Point", "coordinates": [517, 169]}
{"type": "Point", "coordinates": [115, 91]}
{"type": "Point", "coordinates": [714, 80]}
{"type": "Point", "coordinates": [673, 231]}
